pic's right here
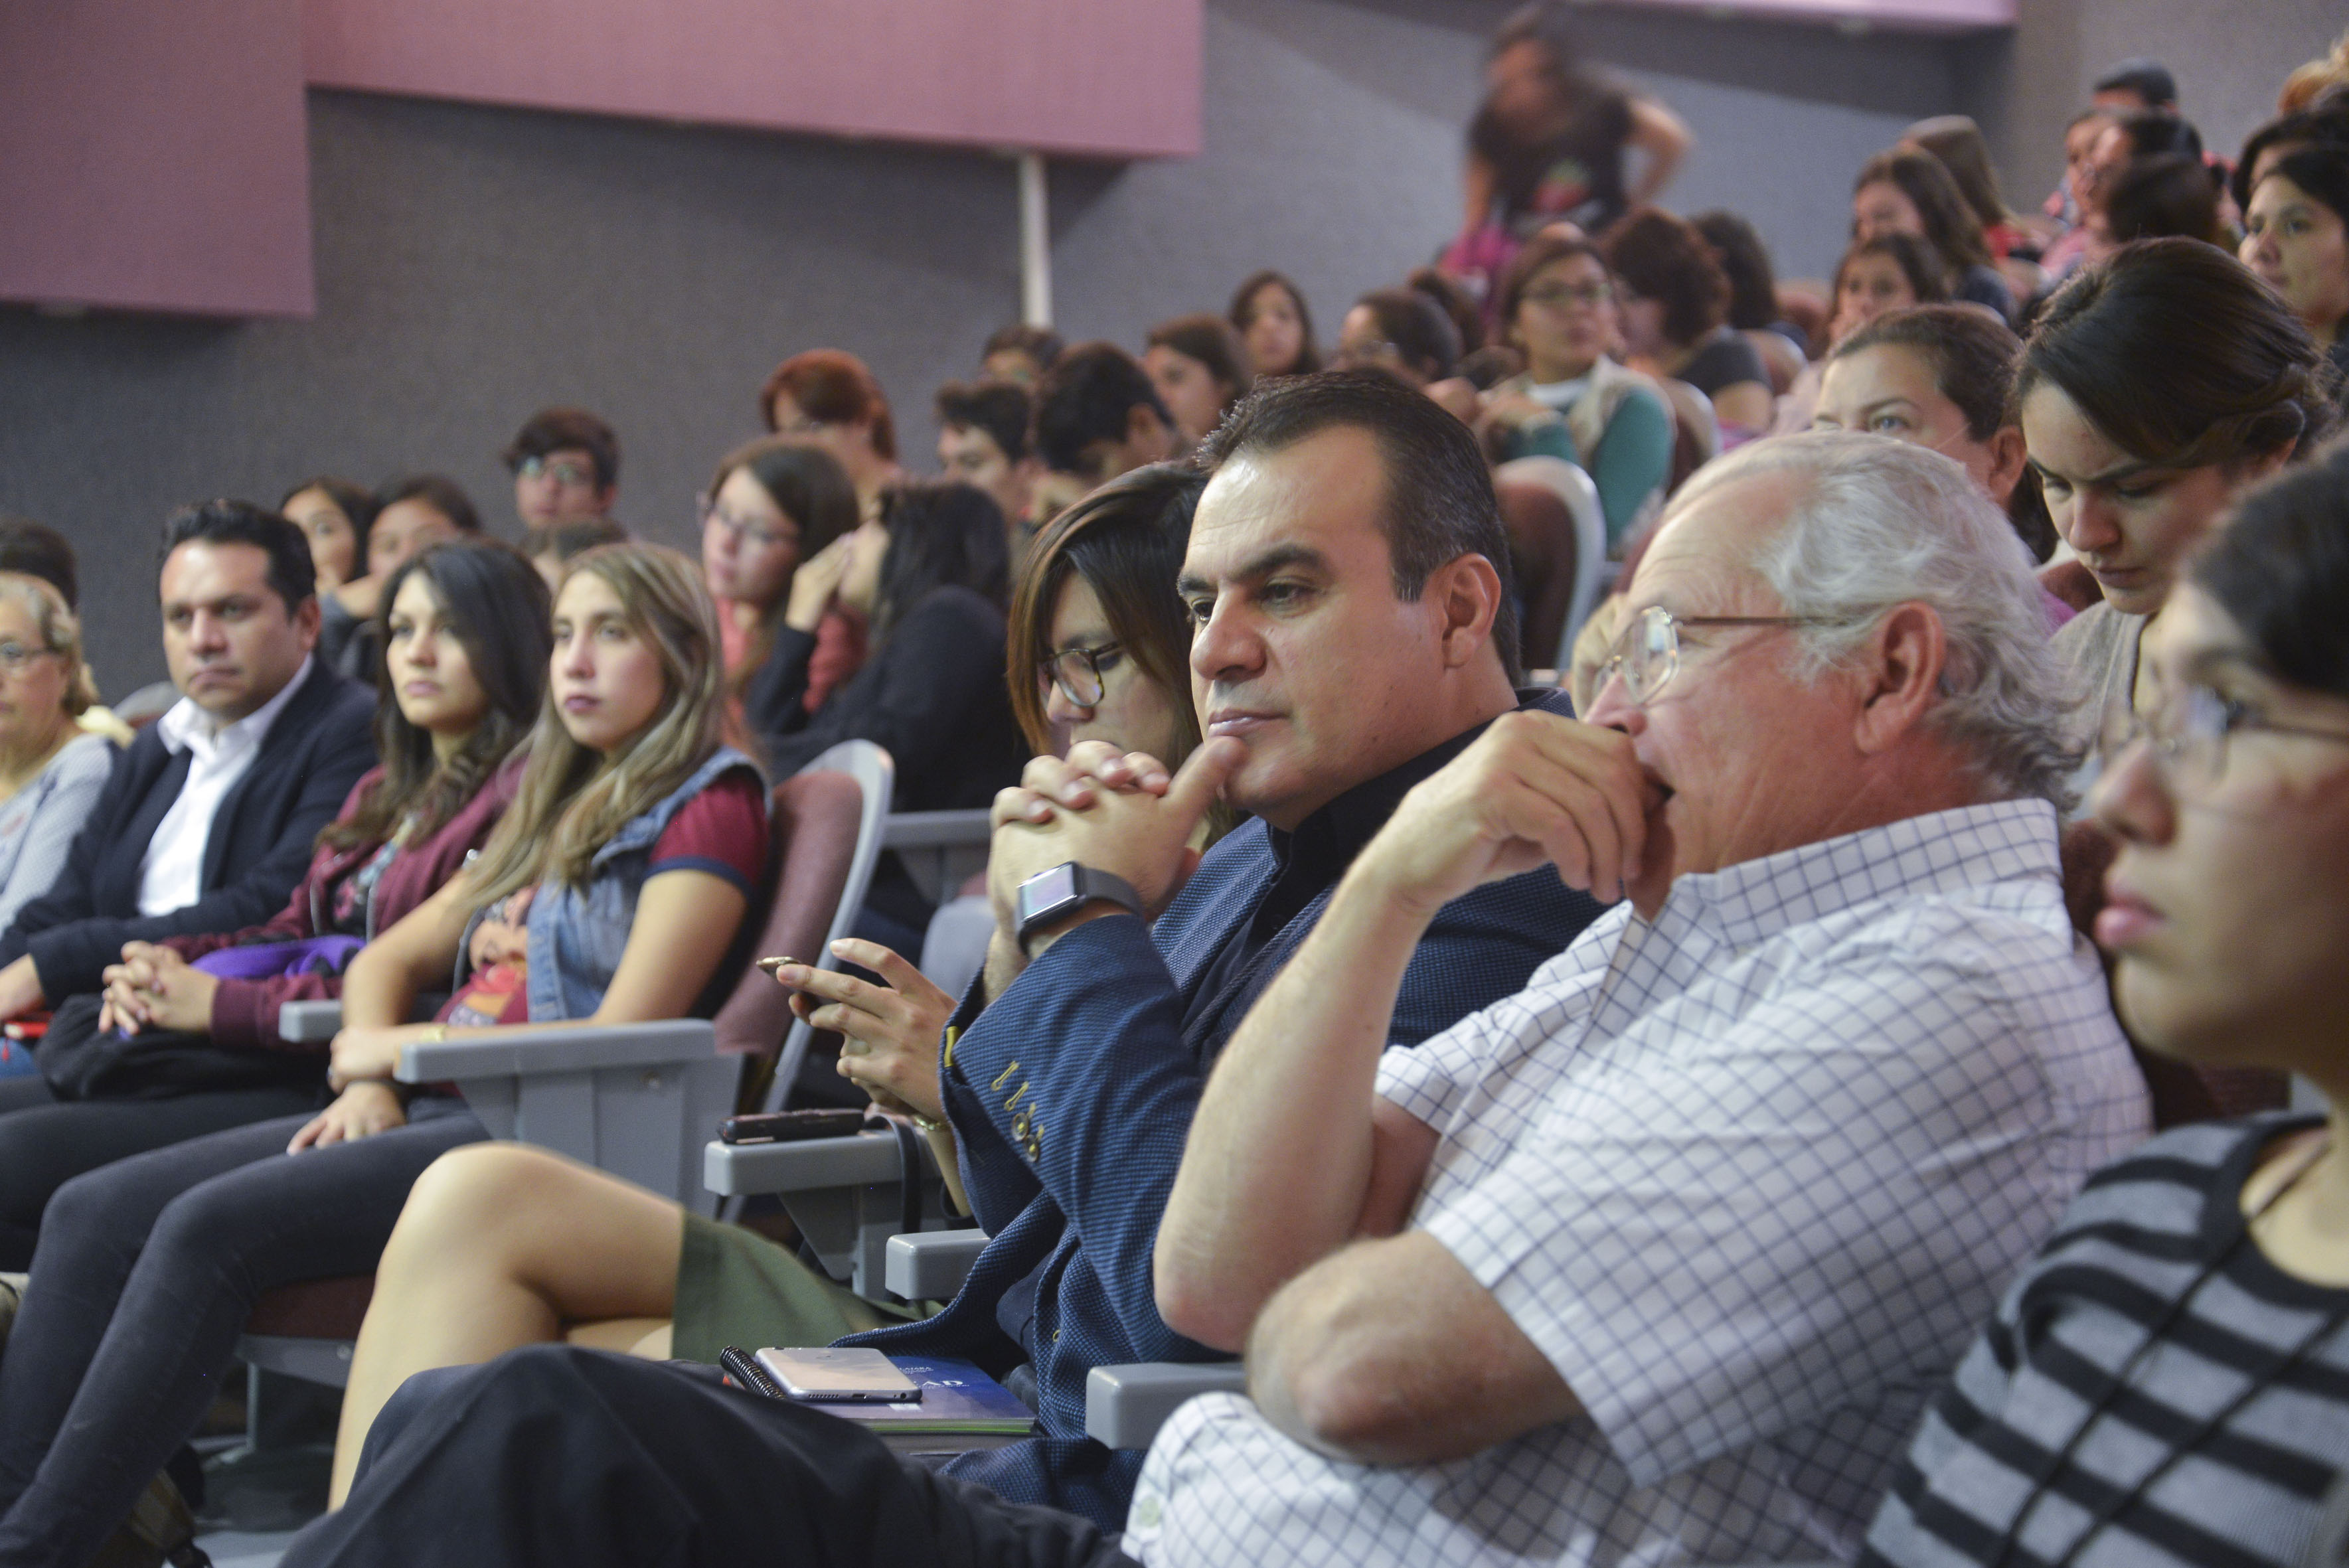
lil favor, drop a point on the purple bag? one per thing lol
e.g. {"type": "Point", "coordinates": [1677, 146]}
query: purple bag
{"type": "Point", "coordinates": [268, 960]}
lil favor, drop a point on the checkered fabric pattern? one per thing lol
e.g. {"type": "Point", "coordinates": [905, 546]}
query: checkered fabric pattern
{"type": "Point", "coordinates": [1749, 1176]}
{"type": "Point", "coordinates": [1073, 1094]}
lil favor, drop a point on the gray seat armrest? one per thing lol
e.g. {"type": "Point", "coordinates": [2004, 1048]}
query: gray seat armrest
{"type": "Point", "coordinates": [635, 1100]}
{"type": "Point", "coordinates": [504, 1053]}
{"type": "Point", "coordinates": [310, 1023]}
{"type": "Point", "coordinates": [1125, 1406]}
{"type": "Point", "coordinates": [843, 1193]}
{"type": "Point", "coordinates": [738, 1169]}
{"type": "Point", "coordinates": [931, 1264]}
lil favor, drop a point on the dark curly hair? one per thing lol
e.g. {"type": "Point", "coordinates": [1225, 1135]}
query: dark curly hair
{"type": "Point", "coordinates": [1663, 258]}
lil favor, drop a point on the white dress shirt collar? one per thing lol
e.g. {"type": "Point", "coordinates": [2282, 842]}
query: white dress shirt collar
{"type": "Point", "coordinates": [186, 725]}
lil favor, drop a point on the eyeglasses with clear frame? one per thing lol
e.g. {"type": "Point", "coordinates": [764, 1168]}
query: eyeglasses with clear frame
{"type": "Point", "coordinates": [1647, 653]}
{"type": "Point", "coordinates": [16, 657]}
{"type": "Point", "coordinates": [706, 506]}
{"type": "Point", "coordinates": [1077, 672]}
{"type": "Point", "coordinates": [2188, 735]}
{"type": "Point", "coordinates": [564, 473]}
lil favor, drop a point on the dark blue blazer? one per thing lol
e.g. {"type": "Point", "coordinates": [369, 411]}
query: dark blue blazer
{"type": "Point", "coordinates": [260, 845]}
{"type": "Point", "coordinates": [1073, 1094]}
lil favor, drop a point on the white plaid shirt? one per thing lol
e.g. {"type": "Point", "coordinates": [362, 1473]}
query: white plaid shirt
{"type": "Point", "coordinates": [1749, 1176]}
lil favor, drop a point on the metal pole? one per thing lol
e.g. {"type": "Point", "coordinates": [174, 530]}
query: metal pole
{"type": "Point", "coordinates": [1035, 242]}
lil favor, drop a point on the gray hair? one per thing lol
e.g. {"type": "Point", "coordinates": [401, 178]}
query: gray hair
{"type": "Point", "coordinates": [1879, 523]}
{"type": "Point", "coordinates": [60, 629]}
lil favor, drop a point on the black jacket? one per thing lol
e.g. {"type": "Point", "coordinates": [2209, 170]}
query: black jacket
{"type": "Point", "coordinates": [259, 847]}
{"type": "Point", "coordinates": [932, 694]}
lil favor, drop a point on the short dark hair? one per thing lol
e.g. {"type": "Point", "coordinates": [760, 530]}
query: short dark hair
{"type": "Point", "coordinates": [552, 430]}
{"type": "Point", "coordinates": [1971, 354]}
{"type": "Point", "coordinates": [2149, 80]}
{"type": "Point", "coordinates": [1440, 504]}
{"type": "Point", "coordinates": [293, 577]}
{"type": "Point", "coordinates": [2156, 130]}
{"type": "Point", "coordinates": [835, 387]}
{"type": "Point", "coordinates": [36, 550]}
{"type": "Point", "coordinates": [1744, 261]}
{"type": "Point", "coordinates": [2168, 194]}
{"type": "Point", "coordinates": [1040, 344]}
{"type": "Point", "coordinates": [2180, 357]}
{"type": "Point", "coordinates": [443, 494]}
{"type": "Point", "coordinates": [2279, 569]}
{"type": "Point", "coordinates": [1950, 223]}
{"type": "Point", "coordinates": [1243, 315]}
{"type": "Point", "coordinates": [999, 408]}
{"type": "Point", "coordinates": [1418, 328]}
{"type": "Point", "coordinates": [1085, 398]}
{"type": "Point", "coordinates": [1658, 255]}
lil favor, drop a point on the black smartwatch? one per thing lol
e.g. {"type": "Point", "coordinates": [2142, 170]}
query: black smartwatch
{"type": "Point", "coordinates": [1050, 896]}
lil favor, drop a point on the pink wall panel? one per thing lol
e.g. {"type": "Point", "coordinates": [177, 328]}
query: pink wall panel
{"type": "Point", "coordinates": [1900, 16]}
{"type": "Point", "coordinates": [154, 155]}
{"type": "Point", "coordinates": [1112, 78]}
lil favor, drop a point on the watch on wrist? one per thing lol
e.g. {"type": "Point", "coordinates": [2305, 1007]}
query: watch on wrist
{"type": "Point", "coordinates": [1050, 896]}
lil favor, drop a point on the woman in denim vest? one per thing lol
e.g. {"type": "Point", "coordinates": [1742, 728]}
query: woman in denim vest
{"type": "Point", "coordinates": [611, 892]}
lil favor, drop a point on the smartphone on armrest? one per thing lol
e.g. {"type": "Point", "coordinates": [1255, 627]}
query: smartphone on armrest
{"type": "Point", "coordinates": [790, 1125]}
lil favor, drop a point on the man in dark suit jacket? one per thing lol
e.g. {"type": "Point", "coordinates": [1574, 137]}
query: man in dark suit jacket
{"type": "Point", "coordinates": [1345, 576]}
{"type": "Point", "coordinates": [209, 820]}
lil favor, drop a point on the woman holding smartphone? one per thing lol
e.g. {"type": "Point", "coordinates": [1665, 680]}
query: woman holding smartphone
{"type": "Point", "coordinates": [503, 1245]}
{"type": "Point", "coordinates": [612, 892]}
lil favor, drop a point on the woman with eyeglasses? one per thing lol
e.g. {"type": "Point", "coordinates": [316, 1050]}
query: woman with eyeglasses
{"type": "Point", "coordinates": [51, 770]}
{"type": "Point", "coordinates": [1099, 650]}
{"type": "Point", "coordinates": [2157, 386]}
{"type": "Point", "coordinates": [1556, 308]}
{"type": "Point", "coordinates": [775, 505]}
{"type": "Point", "coordinates": [2169, 1379]}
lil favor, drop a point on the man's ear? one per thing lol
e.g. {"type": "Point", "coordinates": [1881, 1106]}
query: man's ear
{"type": "Point", "coordinates": [1900, 677]}
{"type": "Point", "coordinates": [1466, 592]}
{"type": "Point", "coordinates": [305, 618]}
{"type": "Point", "coordinates": [604, 496]}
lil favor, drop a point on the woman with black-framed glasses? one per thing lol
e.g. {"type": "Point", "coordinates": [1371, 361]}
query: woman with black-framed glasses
{"type": "Point", "coordinates": [2168, 1380]}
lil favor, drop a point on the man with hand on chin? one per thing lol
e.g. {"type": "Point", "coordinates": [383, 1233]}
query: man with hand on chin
{"type": "Point", "coordinates": [1657, 1258]}
{"type": "Point", "coordinates": [1352, 622]}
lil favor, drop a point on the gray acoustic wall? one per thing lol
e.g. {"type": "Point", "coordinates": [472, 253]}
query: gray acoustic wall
{"type": "Point", "coordinates": [2230, 61]}
{"type": "Point", "coordinates": [474, 263]}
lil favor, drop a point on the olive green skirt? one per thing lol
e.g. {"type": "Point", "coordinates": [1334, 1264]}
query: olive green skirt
{"type": "Point", "coordinates": [736, 1287]}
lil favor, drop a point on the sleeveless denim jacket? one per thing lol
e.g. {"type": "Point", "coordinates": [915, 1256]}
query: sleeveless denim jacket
{"type": "Point", "coordinates": [577, 934]}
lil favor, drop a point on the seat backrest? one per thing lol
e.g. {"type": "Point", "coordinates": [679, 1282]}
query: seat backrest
{"type": "Point", "coordinates": [1696, 431]}
{"type": "Point", "coordinates": [827, 836]}
{"type": "Point", "coordinates": [1574, 488]}
{"type": "Point", "coordinates": [875, 775]}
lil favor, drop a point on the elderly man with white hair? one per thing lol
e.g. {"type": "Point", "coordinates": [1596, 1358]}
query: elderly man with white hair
{"type": "Point", "coordinates": [1657, 1259]}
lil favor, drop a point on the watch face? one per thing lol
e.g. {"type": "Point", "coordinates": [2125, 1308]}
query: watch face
{"type": "Point", "coordinates": [1046, 890]}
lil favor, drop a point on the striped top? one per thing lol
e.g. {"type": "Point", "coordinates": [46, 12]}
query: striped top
{"type": "Point", "coordinates": [2177, 1463]}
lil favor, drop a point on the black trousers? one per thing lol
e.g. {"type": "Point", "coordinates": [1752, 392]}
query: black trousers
{"type": "Point", "coordinates": [144, 1277]}
{"type": "Point", "coordinates": [45, 1143]}
{"type": "Point", "coordinates": [579, 1457]}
